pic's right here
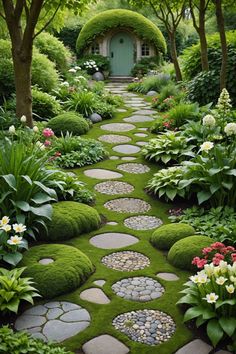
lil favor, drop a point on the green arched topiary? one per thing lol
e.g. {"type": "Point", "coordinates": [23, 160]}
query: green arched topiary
{"type": "Point", "coordinates": [109, 19]}
{"type": "Point", "coordinates": [69, 122]}
{"type": "Point", "coordinates": [69, 270]}
{"type": "Point", "coordinates": [165, 236]}
{"type": "Point", "coordinates": [71, 219]}
{"type": "Point", "coordinates": [183, 251]}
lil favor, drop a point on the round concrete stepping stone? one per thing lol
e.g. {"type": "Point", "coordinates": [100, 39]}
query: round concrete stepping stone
{"type": "Point", "coordinates": [46, 261]}
{"type": "Point", "coordinates": [128, 158]}
{"type": "Point", "coordinates": [128, 205]}
{"type": "Point", "coordinates": [126, 261]}
{"type": "Point", "coordinates": [114, 157]}
{"type": "Point", "coordinates": [105, 344]}
{"type": "Point", "coordinates": [126, 149]}
{"type": "Point", "coordinates": [141, 135]}
{"type": "Point", "coordinates": [118, 127]}
{"type": "Point", "coordinates": [54, 321]}
{"type": "Point", "coordinates": [150, 327]}
{"type": "Point", "coordinates": [112, 223]}
{"type": "Point", "coordinates": [197, 346]}
{"type": "Point", "coordinates": [114, 139]}
{"type": "Point", "coordinates": [135, 168]}
{"type": "Point", "coordinates": [99, 173]}
{"type": "Point", "coordinates": [112, 240]}
{"type": "Point", "coordinates": [142, 222]}
{"type": "Point", "coordinates": [138, 119]}
{"type": "Point", "coordinates": [144, 112]}
{"type": "Point", "coordinates": [100, 282]}
{"type": "Point", "coordinates": [114, 187]}
{"type": "Point", "coordinates": [141, 143]}
{"type": "Point", "coordinates": [168, 276]}
{"type": "Point", "coordinates": [138, 289]}
{"type": "Point", "coordinates": [95, 295]}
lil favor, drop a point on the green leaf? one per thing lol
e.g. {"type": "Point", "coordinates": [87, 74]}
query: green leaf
{"type": "Point", "coordinates": [203, 196]}
{"type": "Point", "coordinates": [44, 211]}
{"type": "Point", "coordinates": [4, 195]}
{"type": "Point", "coordinates": [228, 324]}
{"type": "Point", "coordinates": [13, 258]}
{"type": "Point", "coordinates": [41, 198]}
{"type": "Point", "coordinates": [220, 303]}
{"type": "Point", "coordinates": [188, 299]}
{"type": "Point", "coordinates": [13, 305]}
{"type": "Point", "coordinates": [28, 179]}
{"type": "Point", "coordinates": [22, 205]}
{"type": "Point", "coordinates": [214, 331]}
{"type": "Point", "coordinates": [200, 321]}
{"type": "Point", "coordinates": [11, 181]}
{"type": "Point", "coordinates": [193, 312]}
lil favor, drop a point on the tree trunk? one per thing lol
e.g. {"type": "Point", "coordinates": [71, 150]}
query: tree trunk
{"type": "Point", "coordinates": [202, 36]}
{"type": "Point", "coordinates": [221, 28]}
{"type": "Point", "coordinates": [174, 56]}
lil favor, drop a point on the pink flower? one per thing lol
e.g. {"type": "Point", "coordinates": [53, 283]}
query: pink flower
{"type": "Point", "coordinates": [201, 263]}
{"type": "Point", "coordinates": [206, 250]}
{"type": "Point", "coordinates": [217, 245]}
{"type": "Point", "coordinates": [233, 257]}
{"type": "Point", "coordinates": [216, 261]}
{"type": "Point", "coordinates": [47, 143]}
{"type": "Point", "coordinates": [230, 248]}
{"type": "Point", "coordinates": [47, 132]}
{"type": "Point", "coordinates": [195, 260]}
{"type": "Point", "coordinates": [220, 256]}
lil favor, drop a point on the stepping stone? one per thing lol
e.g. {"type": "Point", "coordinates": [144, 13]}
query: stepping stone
{"type": "Point", "coordinates": [126, 261]}
{"type": "Point", "coordinates": [142, 222]}
{"type": "Point", "coordinates": [135, 168]}
{"type": "Point", "coordinates": [99, 173]}
{"type": "Point", "coordinates": [141, 135]}
{"type": "Point", "coordinates": [99, 282]}
{"type": "Point", "coordinates": [112, 240]}
{"type": "Point", "coordinates": [138, 119]}
{"type": "Point", "coordinates": [121, 110]}
{"type": "Point", "coordinates": [137, 105]}
{"type": "Point", "coordinates": [114, 139]}
{"type": "Point", "coordinates": [159, 327]}
{"type": "Point", "coordinates": [197, 346]}
{"type": "Point", "coordinates": [128, 205]}
{"type": "Point", "coordinates": [95, 295]}
{"type": "Point", "coordinates": [145, 112]}
{"type": "Point", "coordinates": [114, 157]}
{"type": "Point", "coordinates": [114, 187]}
{"type": "Point", "coordinates": [112, 223]}
{"type": "Point", "coordinates": [142, 143]}
{"type": "Point", "coordinates": [143, 129]}
{"type": "Point", "coordinates": [118, 127]}
{"type": "Point", "coordinates": [128, 158]}
{"type": "Point", "coordinates": [168, 276]}
{"type": "Point", "coordinates": [105, 344]}
{"type": "Point", "coordinates": [126, 149]}
{"type": "Point", "coordinates": [54, 321]}
{"type": "Point", "coordinates": [46, 261]}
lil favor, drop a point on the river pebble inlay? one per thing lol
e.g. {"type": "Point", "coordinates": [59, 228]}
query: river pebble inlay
{"type": "Point", "coordinates": [126, 261]}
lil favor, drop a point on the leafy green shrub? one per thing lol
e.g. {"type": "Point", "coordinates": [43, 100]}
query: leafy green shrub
{"type": "Point", "coordinates": [101, 62]}
{"type": "Point", "coordinates": [54, 50]}
{"type": "Point", "coordinates": [71, 219]}
{"type": "Point", "coordinates": [7, 86]}
{"type": "Point", "coordinates": [134, 86]}
{"type": "Point", "coordinates": [144, 66]}
{"type": "Point", "coordinates": [14, 289]}
{"type": "Point", "coordinates": [183, 251]}
{"type": "Point", "coordinates": [82, 102]}
{"type": "Point", "coordinates": [70, 122]}
{"type": "Point", "coordinates": [165, 236]}
{"type": "Point", "coordinates": [105, 110]}
{"type": "Point", "coordinates": [151, 83]}
{"type": "Point", "coordinates": [69, 34]}
{"type": "Point", "coordinates": [69, 270]}
{"type": "Point", "coordinates": [168, 90]}
{"type": "Point", "coordinates": [111, 19]}
{"type": "Point", "coordinates": [45, 106]}
{"type": "Point", "coordinates": [182, 112]}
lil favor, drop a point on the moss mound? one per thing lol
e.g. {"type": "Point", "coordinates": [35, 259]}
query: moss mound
{"type": "Point", "coordinates": [165, 236]}
{"type": "Point", "coordinates": [110, 19]}
{"type": "Point", "coordinates": [71, 219]}
{"type": "Point", "coordinates": [69, 270]}
{"type": "Point", "coordinates": [69, 122]}
{"type": "Point", "coordinates": [183, 251]}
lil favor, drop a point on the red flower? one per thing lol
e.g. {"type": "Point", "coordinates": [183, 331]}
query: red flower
{"type": "Point", "coordinates": [220, 256]}
{"type": "Point", "coordinates": [216, 261]}
{"type": "Point", "coordinates": [201, 263]}
{"type": "Point", "coordinates": [217, 245]}
{"type": "Point", "coordinates": [195, 260]}
{"type": "Point", "coordinates": [230, 248]}
{"type": "Point", "coordinates": [207, 250]}
{"type": "Point", "coordinates": [233, 257]}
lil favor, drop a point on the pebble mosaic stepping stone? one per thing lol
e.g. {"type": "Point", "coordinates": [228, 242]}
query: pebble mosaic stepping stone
{"type": "Point", "coordinates": [150, 327]}
{"type": "Point", "coordinates": [54, 321]}
{"type": "Point", "coordinates": [126, 149]}
{"type": "Point", "coordinates": [112, 240]}
{"type": "Point", "coordinates": [128, 205]}
{"type": "Point", "coordinates": [114, 187]}
{"type": "Point", "coordinates": [100, 282]}
{"type": "Point", "coordinates": [141, 135]}
{"type": "Point", "coordinates": [145, 112]}
{"type": "Point", "coordinates": [118, 127]}
{"type": "Point", "coordinates": [197, 346]}
{"type": "Point", "coordinates": [114, 139]}
{"type": "Point", "coordinates": [95, 295]}
{"type": "Point", "coordinates": [126, 261]}
{"type": "Point", "coordinates": [138, 119]}
{"type": "Point", "coordinates": [135, 168]}
{"type": "Point", "coordinates": [138, 289]}
{"type": "Point", "coordinates": [103, 345]}
{"type": "Point", "coordinates": [142, 222]}
{"type": "Point", "coordinates": [99, 173]}
{"type": "Point", "coordinates": [128, 158]}
{"type": "Point", "coordinates": [168, 276]}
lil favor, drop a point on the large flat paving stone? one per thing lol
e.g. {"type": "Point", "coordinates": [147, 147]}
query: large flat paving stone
{"type": "Point", "coordinates": [100, 173]}
{"type": "Point", "coordinates": [114, 139]}
{"type": "Point", "coordinates": [128, 205]}
{"type": "Point", "coordinates": [145, 112]}
{"type": "Point", "coordinates": [126, 149]}
{"type": "Point", "coordinates": [58, 331]}
{"type": "Point", "coordinates": [118, 127]}
{"type": "Point", "coordinates": [197, 346]}
{"type": "Point", "coordinates": [105, 344]}
{"type": "Point", "coordinates": [95, 295]}
{"type": "Point", "coordinates": [112, 240]}
{"type": "Point", "coordinates": [138, 119]}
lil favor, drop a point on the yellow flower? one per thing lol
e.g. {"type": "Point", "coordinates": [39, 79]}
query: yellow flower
{"type": "Point", "coordinates": [230, 288]}
{"type": "Point", "coordinates": [4, 221]}
{"type": "Point", "coordinates": [18, 228]}
{"type": "Point", "coordinates": [211, 298]}
{"type": "Point", "coordinates": [15, 240]}
{"type": "Point", "coordinates": [221, 280]}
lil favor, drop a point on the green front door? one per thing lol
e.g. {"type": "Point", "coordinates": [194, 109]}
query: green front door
{"type": "Point", "coordinates": [121, 54]}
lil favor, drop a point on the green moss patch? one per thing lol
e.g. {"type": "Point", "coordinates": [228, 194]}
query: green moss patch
{"type": "Point", "coordinates": [69, 122]}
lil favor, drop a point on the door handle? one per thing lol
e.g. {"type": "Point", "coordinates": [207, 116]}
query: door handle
{"type": "Point", "coordinates": [112, 55]}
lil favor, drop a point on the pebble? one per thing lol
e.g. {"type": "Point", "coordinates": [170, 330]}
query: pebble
{"type": "Point", "coordinates": [114, 187]}
{"type": "Point", "coordinates": [128, 205]}
{"type": "Point", "coordinates": [135, 168]}
{"type": "Point", "coordinates": [126, 261]}
{"type": "Point", "coordinates": [142, 222]}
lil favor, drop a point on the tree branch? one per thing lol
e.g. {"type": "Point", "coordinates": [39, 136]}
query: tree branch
{"type": "Point", "coordinates": [18, 9]}
{"type": "Point", "coordinates": [49, 21]}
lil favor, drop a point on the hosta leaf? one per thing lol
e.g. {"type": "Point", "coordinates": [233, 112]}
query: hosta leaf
{"type": "Point", "coordinates": [47, 190]}
{"type": "Point", "coordinates": [220, 303]}
{"type": "Point", "coordinates": [193, 312]}
{"type": "Point", "coordinates": [214, 171]}
{"type": "Point", "coordinates": [41, 198]}
{"type": "Point", "coordinates": [188, 299]}
{"type": "Point", "coordinates": [10, 180]}
{"type": "Point", "coordinates": [22, 205]}
{"type": "Point", "coordinates": [228, 324]}
{"type": "Point", "coordinates": [214, 331]}
{"type": "Point", "coordinates": [4, 195]}
{"type": "Point", "coordinates": [227, 185]}
{"type": "Point", "coordinates": [28, 179]}
{"type": "Point", "coordinates": [13, 258]}
{"type": "Point", "coordinates": [203, 196]}
{"type": "Point", "coordinates": [231, 172]}
{"type": "Point", "coordinates": [44, 211]}
{"type": "Point", "coordinates": [165, 159]}
{"type": "Point", "coordinates": [171, 193]}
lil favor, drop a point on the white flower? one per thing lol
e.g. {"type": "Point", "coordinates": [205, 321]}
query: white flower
{"type": "Point", "coordinates": [223, 266]}
{"type": "Point", "coordinates": [18, 228]}
{"type": "Point", "coordinates": [208, 145]}
{"type": "Point", "coordinates": [221, 280]}
{"type": "Point", "coordinates": [195, 279]}
{"type": "Point", "coordinates": [23, 119]}
{"type": "Point", "coordinates": [12, 129]}
{"type": "Point", "coordinates": [230, 288]}
{"type": "Point", "coordinates": [230, 129]}
{"type": "Point", "coordinates": [72, 70]}
{"type": "Point", "coordinates": [77, 68]}
{"type": "Point", "coordinates": [233, 279]}
{"type": "Point", "coordinates": [202, 278]}
{"type": "Point", "coordinates": [209, 269]}
{"type": "Point", "coordinates": [35, 129]}
{"type": "Point", "coordinates": [4, 221]}
{"type": "Point", "coordinates": [6, 228]}
{"type": "Point", "coordinates": [209, 121]}
{"type": "Point", "coordinates": [15, 240]}
{"type": "Point", "coordinates": [65, 83]}
{"type": "Point", "coordinates": [211, 298]}
{"type": "Point", "coordinates": [40, 145]}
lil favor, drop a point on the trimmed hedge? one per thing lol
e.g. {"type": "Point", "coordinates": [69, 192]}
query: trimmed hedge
{"type": "Point", "coordinates": [71, 219]}
{"type": "Point", "coordinates": [69, 270]}
{"type": "Point", "coordinates": [165, 236]}
{"type": "Point", "coordinates": [44, 105]}
{"type": "Point", "coordinates": [110, 19]}
{"type": "Point", "coordinates": [69, 122]}
{"type": "Point", "coordinates": [183, 251]}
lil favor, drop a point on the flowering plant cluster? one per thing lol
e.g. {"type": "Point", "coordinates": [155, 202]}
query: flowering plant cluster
{"type": "Point", "coordinates": [11, 241]}
{"type": "Point", "coordinates": [211, 294]}
{"type": "Point", "coordinates": [90, 66]}
{"type": "Point", "coordinates": [216, 253]}
{"type": "Point", "coordinates": [163, 105]}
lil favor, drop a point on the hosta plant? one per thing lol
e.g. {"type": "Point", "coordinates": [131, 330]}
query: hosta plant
{"type": "Point", "coordinates": [211, 297]}
{"type": "Point", "coordinates": [14, 290]}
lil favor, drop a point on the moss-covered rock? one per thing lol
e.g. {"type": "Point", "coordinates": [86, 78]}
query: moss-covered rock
{"type": "Point", "coordinates": [183, 251]}
{"type": "Point", "coordinates": [103, 22]}
{"type": "Point", "coordinates": [69, 270]}
{"type": "Point", "coordinates": [71, 219]}
{"type": "Point", "coordinates": [165, 236]}
{"type": "Point", "coordinates": [69, 122]}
